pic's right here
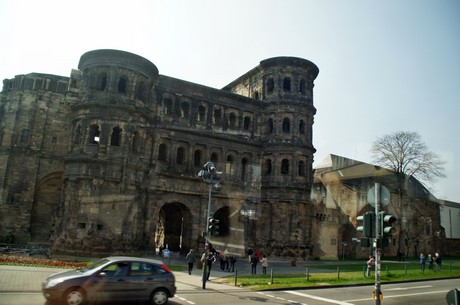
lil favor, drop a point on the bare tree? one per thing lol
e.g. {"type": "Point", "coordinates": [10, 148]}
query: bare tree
{"type": "Point", "coordinates": [407, 156]}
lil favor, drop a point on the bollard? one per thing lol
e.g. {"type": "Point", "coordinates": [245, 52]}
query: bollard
{"type": "Point", "coordinates": [236, 276]}
{"type": "Point", "coordinates": [271, 276]}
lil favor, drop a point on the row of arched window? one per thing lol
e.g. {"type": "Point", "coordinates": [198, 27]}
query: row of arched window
{"type": "Point", "coordinates": [287, 85]}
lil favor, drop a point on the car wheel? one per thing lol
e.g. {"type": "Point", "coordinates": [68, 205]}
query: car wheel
{"type": "Point", "coordinates": [75, 296]}
{"type": "Point", "coordinates": [159, 297]}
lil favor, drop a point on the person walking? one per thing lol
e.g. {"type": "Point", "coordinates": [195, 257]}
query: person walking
{"type": "Point", "coordinates": [254, 262]}
{"type": "Point", "coordinates": [422, 262]}
{"type": "Point", "coordinates": [191, 259]}
{"type": "Point", "coordinates": [264, 263]}
{"type": "Point", "coordinates": [370, 264]}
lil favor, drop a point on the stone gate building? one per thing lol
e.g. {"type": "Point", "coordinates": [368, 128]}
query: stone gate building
{"type": "Point", "coordinates": [106, 160]}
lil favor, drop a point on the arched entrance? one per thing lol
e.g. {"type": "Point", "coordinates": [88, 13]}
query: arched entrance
{"type": "Point", "coordinates": [174, 227]}
{"type": "Point", "coordinates": [46, 201]}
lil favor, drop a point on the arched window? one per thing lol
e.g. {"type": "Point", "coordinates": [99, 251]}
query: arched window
{"type": "Point", "coordinates": [201, 113]}
{"type": "Point", "coordinates": [214, 158]}
{"type": "Point", "coordinates": [184, 110]}
{"type": "Point", "coordinates": [167, 104]}
{"type": "Point", "coordinates": [142, 91]}
{"type": "Point", "coordinates": [229, 167]}
{"type": "Point", "coordinates": [180, 156]}
{"type": "Point", "coordinates": [115, 138]}
{"type": "Point", "coordinates": [302, 127]}
{"type": "Point", "coordinates": [246, 123]}
{"type": "Point", "coordinates": [232, 120]}
{"type": "Point", "coordinates": [25, 136]}
{"type": "Point", "coordinates": [217, 117]}
{"type": "Point", "coordinates": [223, 215]}
{"type": "Point", "coordinates": [268, 167]}
{"type": "Point", "coordinates": [244, 168]}
{"type": "Point", "coordinates": [122, 84]}
{"type": "Point", "coordinates": [303, 86]}
{"type": "Point", "coordinates": [197, 158]}
{"type": "Point", "coordinates": [287, 84]}
{"type": "Point", "coordinates": [94, 133]}
{"type": "Point", "coordinates": [286, 125]}
{"type": "Point", "coordinates": [302, 169]}
{"type": "Point", "coordinates": [162, 152]}
{"type": "Point", "coordinates": [270, 85]}
{"type": "Point", "coordinates": [255, 95]}
{"type": "Point", "coordinates": [270, 125]}
{"type": "Point", "coordinates": [101, 81]}
{"type": "Point", "coordinates": [285, 167]}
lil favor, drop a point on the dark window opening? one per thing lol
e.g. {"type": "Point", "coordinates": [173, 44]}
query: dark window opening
{"type": "Point", "coordinates": [53, 140]}
{"type": "Point", "coordinates": [286, 125]}
{"type": "Point", "coordinates": [101, 82]}
{"type": "Point", "coordinates": [285, 167]}
{"type": "Point", "coordinates": [214, 158]}
{"type": "Point", "coordinates": [244, 168]}
{"type": "Point", "coordinates": [142, 92]}
{"type": "Point", "coordinates": [287, 84]}
{"type": "Point", "coordinates": [268, 167]}
{"type": "Point", "coordinates": [255, 95]}
{"type": "Point", "coordinates": [115, 138]}
{"type": "Point", "coordinates": [302, 169]}
{"type": "Point", "coordinates": [229, 165]}
{"type": "Point", "coordinates": [270, 85]}
{"type": "Point", "coordinates": [197, 158]}
{"type": "Point", "coordinates": [201, 113]}
{"type": "Point", "coordinates": [162, 152]}
{"type": "Point", "coordinates": [94, 134]}
{"type": "Point", "coordinates": [78, 135]}
{"type": "Point", "coordinates": [184, 110]}
{"type": "Point", "coordinates": [232, 120]}
{"type": "Point", "coordinates": [217, 116]}
{"type": "Point", "coordinates": [81, 225]}
{"type": "Point", "coordinates": [180, 156]}
{"type": "Point", "coordinates": [122, 84]}
{"type": "Point", "coordinates": [25, 136]}
{"type": "Point", "coordinates": [246, 123]}
{"type": "Point", "coordinates": [302, 127]}
{"type": "Point", "coordinates": [167, 106]}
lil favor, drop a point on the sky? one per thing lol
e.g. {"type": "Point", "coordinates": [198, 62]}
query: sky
{"type": "Point", "coordinates": [385, 66]}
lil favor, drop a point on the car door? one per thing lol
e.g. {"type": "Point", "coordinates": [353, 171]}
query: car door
{"type": "Point", "coordinates": [110, 283]}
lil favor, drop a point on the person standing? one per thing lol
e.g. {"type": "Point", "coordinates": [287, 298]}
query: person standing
{"type": "Point", "coordinates": [430, 262]}
{"type": "Point", "coordinates": [438, 261]}
{"type": "Point", "coordinates": [370, 264]}
{"type": "Point", "coordinates": [422, 262]}
{"type": "Point", "coordinates": [190, 258]}
{"type": "Point", "coordinates": [264, 263]}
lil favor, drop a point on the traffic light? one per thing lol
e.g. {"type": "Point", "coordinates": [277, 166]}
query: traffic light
{"type": "Point", "coordinates": [213, 228]}
{"type": "Point", "coordinates": [367, 222]}
{"type": "Point", "coordinates": [386, 227]}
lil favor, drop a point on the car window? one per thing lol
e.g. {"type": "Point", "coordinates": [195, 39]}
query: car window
{"type": "Point", "coordinates": [117, 269]}
{"type": "Point", "coordinates": [141, 268]}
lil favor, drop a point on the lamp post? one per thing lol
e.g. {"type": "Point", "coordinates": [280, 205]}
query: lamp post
{"type": "Point", "coordinates": [210, 175]}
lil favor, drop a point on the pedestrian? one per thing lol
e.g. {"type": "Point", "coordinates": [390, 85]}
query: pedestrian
{"type": "Point", "coordinates": [422, 262]}
{"type": "Point", "coordinates": [250, 253]}
{"type": "Point", "coordinates": [190, 258]}
{"type": "Point", "coordinates": [264, 263]}
{"type": "Point", "coordinates": [232, 261]}
{"type": "Point", "coordinates": [430, 262]}
{"type": "Point", "coordinates": [438, 262]}
{"type": "Point", "coordinates": [254, 262]}
{"type": "Point", "coordinates": [370, 264]}
{"type": "Point", "coordinates": [207, 260]}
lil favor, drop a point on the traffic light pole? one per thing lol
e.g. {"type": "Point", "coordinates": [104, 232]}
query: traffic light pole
{"type": "Point", "coordinates": [206, 243]}
{"type": "Point", "coordinates": [377, 245]}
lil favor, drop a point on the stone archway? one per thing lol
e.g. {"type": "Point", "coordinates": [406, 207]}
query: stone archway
{"type": "Point", "coordinates": [46, 202]}
{"type": "Point", "coordinates": [174, 227]}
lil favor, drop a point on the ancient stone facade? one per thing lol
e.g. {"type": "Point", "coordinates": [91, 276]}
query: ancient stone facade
{"type": "Point", "coordinates": [106, 161]}
{"type": "Point", "coordinates": [340, 192]}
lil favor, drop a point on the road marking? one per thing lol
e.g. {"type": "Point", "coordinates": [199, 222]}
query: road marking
{"type": "Point", "coordinates": [400, 295]}
{"type": "Point", "coordinates": [317, 298]}
{"type": "Point", "coordinates": [407, 288]}
{"type": "Point", "coordinates": [281, 299]}
{"type": "Point", "coordinates": [184, 299]}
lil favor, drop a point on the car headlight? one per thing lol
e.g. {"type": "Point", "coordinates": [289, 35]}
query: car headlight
{"type": "Point", "coordinates": [52, 283]}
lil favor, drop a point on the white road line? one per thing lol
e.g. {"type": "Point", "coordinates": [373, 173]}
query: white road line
{"type": "Point", "coordinates": [407, 288]}
{"type": "Point", "coordinates": [317, 298]}
{"type": "Point", "coordinates": [185, 300]}
{"type": "Point", "coordinates": [400, 295]}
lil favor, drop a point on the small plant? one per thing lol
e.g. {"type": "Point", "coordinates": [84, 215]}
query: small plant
{"type": "Point", "coordinates": [14, 260]}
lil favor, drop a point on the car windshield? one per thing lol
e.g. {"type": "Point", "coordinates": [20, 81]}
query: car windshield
{"type": "Point", "coordinates": [94, 265]}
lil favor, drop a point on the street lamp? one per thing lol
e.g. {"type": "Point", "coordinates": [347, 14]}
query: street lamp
{"type": "Point", "coordinates": [210, 175]}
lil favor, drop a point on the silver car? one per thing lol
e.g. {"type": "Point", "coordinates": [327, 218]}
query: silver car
{"type": "Point", "coordinates": [113, 279]}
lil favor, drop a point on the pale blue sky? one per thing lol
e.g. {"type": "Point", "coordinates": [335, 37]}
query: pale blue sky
{"type": "Point", "coordinates": [385, 66]}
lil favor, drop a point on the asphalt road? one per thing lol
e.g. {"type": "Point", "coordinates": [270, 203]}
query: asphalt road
{"type": "Point", "coordinates": [24, 289]}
